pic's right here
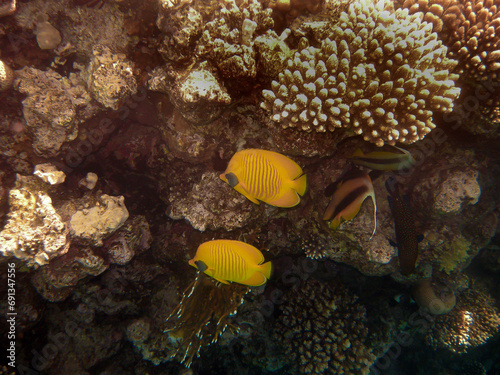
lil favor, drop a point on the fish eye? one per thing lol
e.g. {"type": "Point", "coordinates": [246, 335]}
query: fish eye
{"type": "Point", "coordinates": [202, 267]}
{"type": "Point", "coordinates": [232, 179]}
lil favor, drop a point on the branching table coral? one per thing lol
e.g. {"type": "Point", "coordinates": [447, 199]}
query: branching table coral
{"type": "Point", "coordinates": [382, 74]}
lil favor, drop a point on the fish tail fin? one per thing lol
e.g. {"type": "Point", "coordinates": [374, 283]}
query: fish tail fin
{"type": "Point", "coordinates": [300, 185]}
{"type": "Point", "coordinates": [266, 269]}
{"type": "Point", "coordinates": [334, 224]}
{"type": "Point", "coordinates": [357, 153]}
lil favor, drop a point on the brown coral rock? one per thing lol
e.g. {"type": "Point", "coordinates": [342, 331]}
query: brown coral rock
{"type": "Point", "coordinates": [34, 232]}
{"type": "Point", "coordinates": [211, 205]}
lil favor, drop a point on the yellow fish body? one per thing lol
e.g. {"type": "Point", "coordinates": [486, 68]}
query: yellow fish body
{"type": "Point", "coordinates": [232, 261]}
{"type": "Point", "coordinates": [266, 176]}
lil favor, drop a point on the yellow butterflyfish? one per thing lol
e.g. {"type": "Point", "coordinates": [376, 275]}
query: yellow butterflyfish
{"type": "Point", "coordinates": [232, 261]}
{"type": "Point", "coordinates": [266, 176]}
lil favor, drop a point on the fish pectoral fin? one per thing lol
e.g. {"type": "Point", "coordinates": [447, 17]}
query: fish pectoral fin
{"type": "Point", "coordinates": [256, 279]}
{"type": "Point", "coordinates": [240, 189]}
{"type": "Point", "coordinates": [289, 198]}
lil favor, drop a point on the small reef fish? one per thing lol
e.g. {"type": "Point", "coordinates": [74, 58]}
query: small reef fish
{"type": "Point", "coordinates": [232, 261]}
{"type": "Point", "coordinates": [350, 191]}
{"type": "Point", "coordinates": [384, 160]}
{"type": "Point", "coordinates": [266, 176]}
{"type": "Point", "coordinates": [404, 224]}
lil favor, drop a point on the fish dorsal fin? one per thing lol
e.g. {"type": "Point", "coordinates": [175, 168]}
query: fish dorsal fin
{"type": "Point", "coordinates": [290, 168]}
{"type": "Point", "coordinates": [248, 252]}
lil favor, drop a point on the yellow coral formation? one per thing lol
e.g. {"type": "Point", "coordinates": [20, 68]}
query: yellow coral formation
{"type": "Point", "coordinates": [317, 335]}
{"type": "Point", "coordinates": [382, 73]}
{"type": "Point", "coordinates": [471, 323]}
{"type": "Point", "coordinates": [202, 315]}
{"type": "Point", "coordinates": [453, 253]}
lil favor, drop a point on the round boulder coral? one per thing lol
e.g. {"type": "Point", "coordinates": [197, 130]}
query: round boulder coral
{"type": "Point", "coordinates": [323, 329]}
{"type": "Point", "coordinates": [474, 320]}
{"type": "Point", "coordinates": [381, 73]}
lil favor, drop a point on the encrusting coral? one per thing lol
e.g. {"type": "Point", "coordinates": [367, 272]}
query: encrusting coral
{"type": "Point", "coordinates": [316, 334]}
{"type": "Point", "coordinates": [202, 315]}
{"type": "Point", "coordinates": [95, 223]}
{"type": "Point", "coordinates": [228, 39]}
{"type": "Point", "coordinates": [196, 93]}
{"type": "Point", "coordinates": [54, 107]}
{"type": "Point", "coordinates": [381, 73]}
{"type": "Point", "coordinates": [208, 206]}
{"type": "Point", "coordinates": [472, 322]}
{"type": "Point", "coordinates": [110, 77]}
{"type": "Point", "coordinates": [34, 232]}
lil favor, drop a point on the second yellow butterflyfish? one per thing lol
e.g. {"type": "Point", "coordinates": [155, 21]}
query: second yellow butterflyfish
{"type": "Point", "coordinates": [266, 176]}
{"type": "Point", "coordinates": [232, 261]}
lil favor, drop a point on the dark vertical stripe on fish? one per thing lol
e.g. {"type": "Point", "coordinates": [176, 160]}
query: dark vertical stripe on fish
{"type": "Point", "coordinates": [348, 199]}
